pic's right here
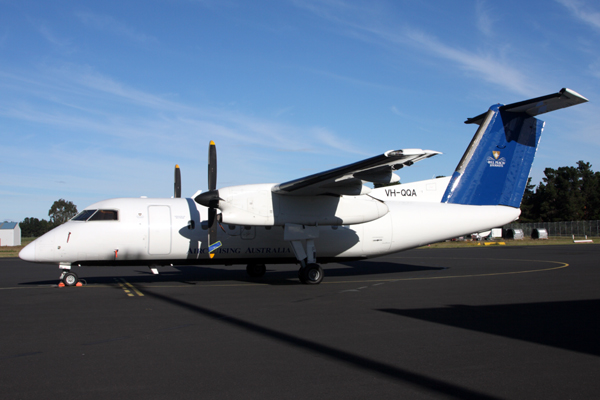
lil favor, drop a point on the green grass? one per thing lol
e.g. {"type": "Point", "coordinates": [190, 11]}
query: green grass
{"type": "Point", "coordinates": [509, 242]}
{"type": "Point", "coordinates": [13, 251]}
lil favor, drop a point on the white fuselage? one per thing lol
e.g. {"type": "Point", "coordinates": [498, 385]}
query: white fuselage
{"type": "Point", "coordinates": [168, 231]}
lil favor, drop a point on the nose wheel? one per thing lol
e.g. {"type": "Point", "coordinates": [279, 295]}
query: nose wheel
{"type": "Point", "coordinates": [69, 278]}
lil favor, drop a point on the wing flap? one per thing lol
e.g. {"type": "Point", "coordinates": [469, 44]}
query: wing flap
{"type": "Point", "coordinates": [349, 178]}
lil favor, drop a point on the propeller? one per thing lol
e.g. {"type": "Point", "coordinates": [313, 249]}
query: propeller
{"type": "Point", "coordinates": [211, 199]}
{"type": "Point", "coordinates": [177, 194]}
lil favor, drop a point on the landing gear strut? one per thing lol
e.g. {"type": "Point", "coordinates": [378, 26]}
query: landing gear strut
{"type": "Point", "coordinates": [256, 270]}
{"type": "Point", "coordinates": [302, 238]}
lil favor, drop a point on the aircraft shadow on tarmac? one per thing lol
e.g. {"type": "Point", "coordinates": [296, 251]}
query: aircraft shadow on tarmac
{"type": "Point", "coordinates": [569, 325]}
{"type": "Point", "coordinates": [198, 274]}
{"type": "Point", "coordinates": [392, 372]}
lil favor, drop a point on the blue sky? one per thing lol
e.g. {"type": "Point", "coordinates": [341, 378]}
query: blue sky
{"type": "Point", "coordinates": [102, 99]}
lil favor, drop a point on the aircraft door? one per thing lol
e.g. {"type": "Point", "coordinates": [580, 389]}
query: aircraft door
{"type": "Point", "coordinates": [159, 230]}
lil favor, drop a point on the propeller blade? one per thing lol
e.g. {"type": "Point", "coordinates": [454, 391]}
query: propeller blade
{"type": "Point", "coordinates": [177, 182]}
{"type": "Point", "coordinates": [211, 199]}
{"type": "Point", "coordinates": [212, 166]}
{"type": "Point", "coordinates": [213, 244]}
{"type": "Point", "coordinates": [212, 225]}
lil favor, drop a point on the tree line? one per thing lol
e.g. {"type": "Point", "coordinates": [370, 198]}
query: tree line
{"type": "Point", "coordinates": [565, 194]}
{"type": "Point", "coordinates": [60, 212]}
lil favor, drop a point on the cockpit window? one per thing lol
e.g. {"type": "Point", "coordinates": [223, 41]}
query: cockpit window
{"type": "Point", "coordinates": [97, 215]}
{"type": "Point", "coordinates": [105, 215]}
{"type": "Point", "coordinates": [84, 215]}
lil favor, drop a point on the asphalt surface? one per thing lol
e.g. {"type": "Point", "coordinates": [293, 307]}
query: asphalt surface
{"type": "Point", "coordinates": [485, 323]}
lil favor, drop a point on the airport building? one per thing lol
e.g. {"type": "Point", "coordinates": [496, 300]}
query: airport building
{"type": "Point", "coordinates": [10, 234]}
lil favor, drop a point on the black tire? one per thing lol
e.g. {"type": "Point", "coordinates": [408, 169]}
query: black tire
{"type": "Point", "coordinates": [302, 275]}
{"type": "Point", "coordinates": [256, 270]}
{"type": "Point", "coordinates": [311, 275]}
{"type": "Point", "coordinates": [70, 279]}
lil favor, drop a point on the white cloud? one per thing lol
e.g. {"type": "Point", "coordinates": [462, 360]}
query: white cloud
{"type": "Point", "coordinates": [595, 68]}
{"type": "Point", "coordinates": [484, 20]}
{"type": "Point", "coordinates": [583, 12]}
{"type": "Point", "coordinates": [59, 42]}
{"type": "Point", "coordinates": [488, 66]}
{"type": "Point", "coordinates": [395, 110]}
{"type": "Point", "coordinates": [372, 27]}
{"type": "Point", "coordinates": [333, 141]}
{"type": "Point", "coordinates": [72, 101]}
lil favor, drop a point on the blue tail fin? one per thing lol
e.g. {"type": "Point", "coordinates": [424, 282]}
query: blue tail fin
{"type": "Point", "coordinates": [496, 165]}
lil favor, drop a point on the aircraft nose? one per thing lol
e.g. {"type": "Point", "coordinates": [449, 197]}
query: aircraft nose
{"type": "Point", "coordinates": [28, 252]}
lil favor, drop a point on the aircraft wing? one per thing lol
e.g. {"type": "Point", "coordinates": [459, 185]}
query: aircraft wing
{"type": "Point", "coordinates": [348, 180]}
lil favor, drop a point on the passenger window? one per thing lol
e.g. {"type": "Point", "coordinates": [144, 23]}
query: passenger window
{"type": "Point", "coordinates": [105, 215]}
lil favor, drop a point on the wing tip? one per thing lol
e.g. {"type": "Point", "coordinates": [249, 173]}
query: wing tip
{"type": "Point", "coordinates": [572, 93]}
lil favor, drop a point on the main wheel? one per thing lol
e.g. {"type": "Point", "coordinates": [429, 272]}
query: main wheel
{"type": "Point", "coordinates": [70, 279]}
{"type": "Point", "coordinates": [302, 274]}
{"type": "Point", "coordinates": [312, 274]}
{"type": "Point", "coordinates": [256, 270]}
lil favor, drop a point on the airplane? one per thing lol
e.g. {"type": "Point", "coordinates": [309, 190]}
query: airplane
{"type": "Point", "coordinates": [331, 216]}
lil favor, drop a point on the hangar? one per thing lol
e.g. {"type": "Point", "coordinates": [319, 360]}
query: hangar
{"type": "Point", "coordinates": [10, 234]}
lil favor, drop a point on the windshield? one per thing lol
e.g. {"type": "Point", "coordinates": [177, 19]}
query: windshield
{"type": "Point", "coordinates": [105, 215]}
{"type": "Point", "coordinates": [97, 215]}
{"type": "Point", "coordinates": [84, 215]}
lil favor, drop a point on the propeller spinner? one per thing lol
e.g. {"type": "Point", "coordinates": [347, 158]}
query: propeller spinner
{"type": "Point", "coordinates": [211, 199]}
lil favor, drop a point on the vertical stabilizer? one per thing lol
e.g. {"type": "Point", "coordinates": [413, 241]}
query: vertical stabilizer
{"type": "Point", "coordinates": [496, 165]}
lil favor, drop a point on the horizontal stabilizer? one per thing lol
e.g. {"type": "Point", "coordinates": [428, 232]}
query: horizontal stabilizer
{"type": "Point", "coordinates": [540, 105]}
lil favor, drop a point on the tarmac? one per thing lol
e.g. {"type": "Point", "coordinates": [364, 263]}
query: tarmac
{"type": "Point", "coordinates": [476, 323]}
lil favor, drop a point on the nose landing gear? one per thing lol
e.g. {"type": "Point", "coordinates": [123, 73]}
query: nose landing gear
{"type": "Point", "coordinates": [69, 278]}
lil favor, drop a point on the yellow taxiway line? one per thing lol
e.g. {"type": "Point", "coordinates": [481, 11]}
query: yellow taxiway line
{"type": "Point", "coordinates": [126, 286]}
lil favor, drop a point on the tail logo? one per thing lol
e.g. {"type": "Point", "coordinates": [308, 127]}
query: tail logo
{"type": "Point", "coordinates": [496, 160]}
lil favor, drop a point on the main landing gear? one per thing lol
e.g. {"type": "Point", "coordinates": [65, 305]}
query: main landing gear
{"type": "Point", "coordinates": [311, 274]}
{"type": "Point", "coordinates": [256, 270]}
{"type": "Point", "coordinates": [302, 239]}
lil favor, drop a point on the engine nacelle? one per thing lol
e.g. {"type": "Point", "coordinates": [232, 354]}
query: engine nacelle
{"type": "Point", "coordinates": [258, 205]}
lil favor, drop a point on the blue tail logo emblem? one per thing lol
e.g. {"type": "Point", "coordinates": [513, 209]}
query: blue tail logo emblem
{"type": "Point", "coordinates": [496, 161]}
